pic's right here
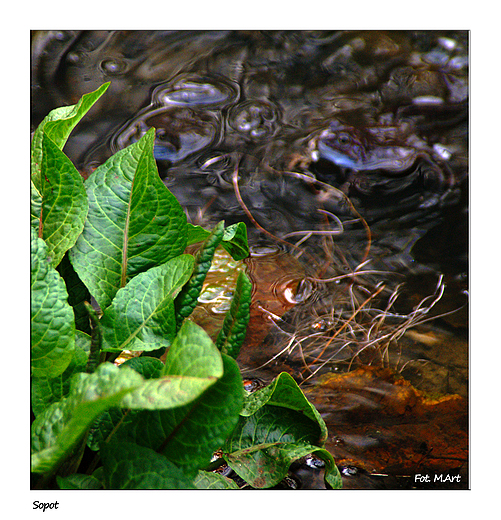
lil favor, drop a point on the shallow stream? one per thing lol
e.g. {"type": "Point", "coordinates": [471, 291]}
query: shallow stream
{"type": "Point", "coordinates": [346, 154]}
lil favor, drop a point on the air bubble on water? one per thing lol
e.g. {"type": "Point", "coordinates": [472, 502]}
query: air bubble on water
{"type": "Point", "coordinates": [447, 43]}
{"type": "Point", "coordinates": [442, 151]}
{"type": "Point", "coordinates": [75, 57]}
{"type": "Point", "coordinates": [427, 100]}
{"type": "Point", "coordinates": [113, 66]}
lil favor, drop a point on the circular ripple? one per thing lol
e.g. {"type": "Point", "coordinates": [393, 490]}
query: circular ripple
{"type": "Point", "coordinates": [180, 132]}
{"type": "Point", "coordinates": [196, 91]}
{"type": "Point", "coordinates": [255, 120]}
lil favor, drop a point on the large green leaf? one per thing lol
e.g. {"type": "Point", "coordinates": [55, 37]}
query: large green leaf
{"type": "Point", "coordinates": [130, 466]}
{"type": "Point", "coordinates": [190, 434]}
{"type": "Point", "coordinates": [265, 465]}
{"type": "Point", "coordinates": [277, 426]}
{"type": "Point", "coordinates": [149, 368]}
{"type": "Point", "coordinates": [52, 319]}
{"type": "Point", "coordinates": [285, 392]}
{"type": "Point", "coordinates": [141, 316]}
{"type": "Point", "coordinates": [61, 426]}
{"type": "Point", "coordinates": [193, 364]}
{"type": "Point", "coordinates": [134, 222]}
{"type": "Point", "coordinates": [64, 203]}
{"type": "Point", "coordinates": [48, 390]}
{"type": "Point", "coordinates": [57, 125]}
{"type": "Point", "coordinates": [194, 367]}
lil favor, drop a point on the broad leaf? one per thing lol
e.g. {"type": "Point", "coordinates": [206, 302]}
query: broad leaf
{"type": "Point", "coordinates": [234, 329]}
{"type": "Point", "coordinates": [264, 466]}
{"type": "Point", "coordinates": [130, 466]}
{"type": "Point", "coordinates": [277, 426]}
{"type": "Point", "coordinates": [46, 390]}
{"type": "Point", "coordinates": [52, 319]}
{"type": "Point", "coordinates": [141, 317]}
{"type": "Point", "coordinates": [134, 222]}
{"type": "Point", "coordinates": [285, 392]}
{"type": "Point", "coordinates": [57, 126]}
{"type": "Point", "coordinates": [64, 203]}
{"type": "Point", "coordinates": [190, 434]}
{"type": "Point", "coordinates": [263, 446]}
{"type": "Point", "coordinates": [61, 426]}
{"type": "Point", "coordinates": [193, 364]}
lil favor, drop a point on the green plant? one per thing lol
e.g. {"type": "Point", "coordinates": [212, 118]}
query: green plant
{"type": "Point", "coordinates": [120, 237]}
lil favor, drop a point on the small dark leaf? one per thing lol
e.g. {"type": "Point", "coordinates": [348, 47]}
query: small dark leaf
{"type": "Point", "coordinates": [232, 334]}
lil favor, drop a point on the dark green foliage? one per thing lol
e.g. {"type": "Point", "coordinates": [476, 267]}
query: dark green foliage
{"type": "Point", "coordinates": [187, 299]}
{"type": "Point", "coordinates": [278, 425]}
{"type": "Point", "coordinates": [232, 334]}
{"type": "Point", "coordinates": [149, 424]}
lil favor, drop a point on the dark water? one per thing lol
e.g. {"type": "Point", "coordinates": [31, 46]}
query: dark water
{"type": "Point", "coordinates": [346, 153]}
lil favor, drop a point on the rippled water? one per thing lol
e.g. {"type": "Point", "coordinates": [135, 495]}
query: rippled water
{"type": "Point", "coordinates": [345, 152]}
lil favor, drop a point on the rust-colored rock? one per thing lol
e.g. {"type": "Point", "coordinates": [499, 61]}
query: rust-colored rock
{"type": "Point", "coordinates": [379, 422]}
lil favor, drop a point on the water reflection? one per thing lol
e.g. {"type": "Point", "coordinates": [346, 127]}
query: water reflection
{"type": "Point", "coordinates": [180, 132]}
{"type": "Point", "coordinates": [345, 152]}
{"type": "Point", "coordinates": [369, 127]}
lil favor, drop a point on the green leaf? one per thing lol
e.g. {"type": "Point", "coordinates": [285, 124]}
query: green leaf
{"type": "Point", "coordinates": [264, 466]}
{"type": "Point", "coordinates": [141, 317]}
{"type": "Point", "coordinates": [104, 426]}
{"type": "Point", "coordinates": [46, 390]}
{"type": "Point", "coordinates": [285, 392]}
{"type": "Point", "coordinates": [134, 222]}
{"type": "Point", "coordinates": [234, 239]}
{"type": "Point", "coordinates": [58, 125]}
{"type": "Point", "coordinates": [64, 201]}
{"type": "Point", "coordinates": [78, 481]}
{"type": "Point", "coordinates": [277, 426]}
{"type": "Point", "coordinates": [148, 367]}
{"type": "Point", "coordinates": [52, 319]}
{"type": "Point", "coordinates": [260, 449]}
{"type": "Point", "coordinates": [61, 426]}
{"type": "Point", "coordinates": [187, 299]}
{"type": "Point", "coordinates": [190, 434]}
{"type": "Point", "coordinates": [210, 480]}
{"type": "Point", "coordinates": [234, 329]}
{"type": "Point", "coordinates": [130, 466]}
{"type": "Point", "coordinates": [193, 364]}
